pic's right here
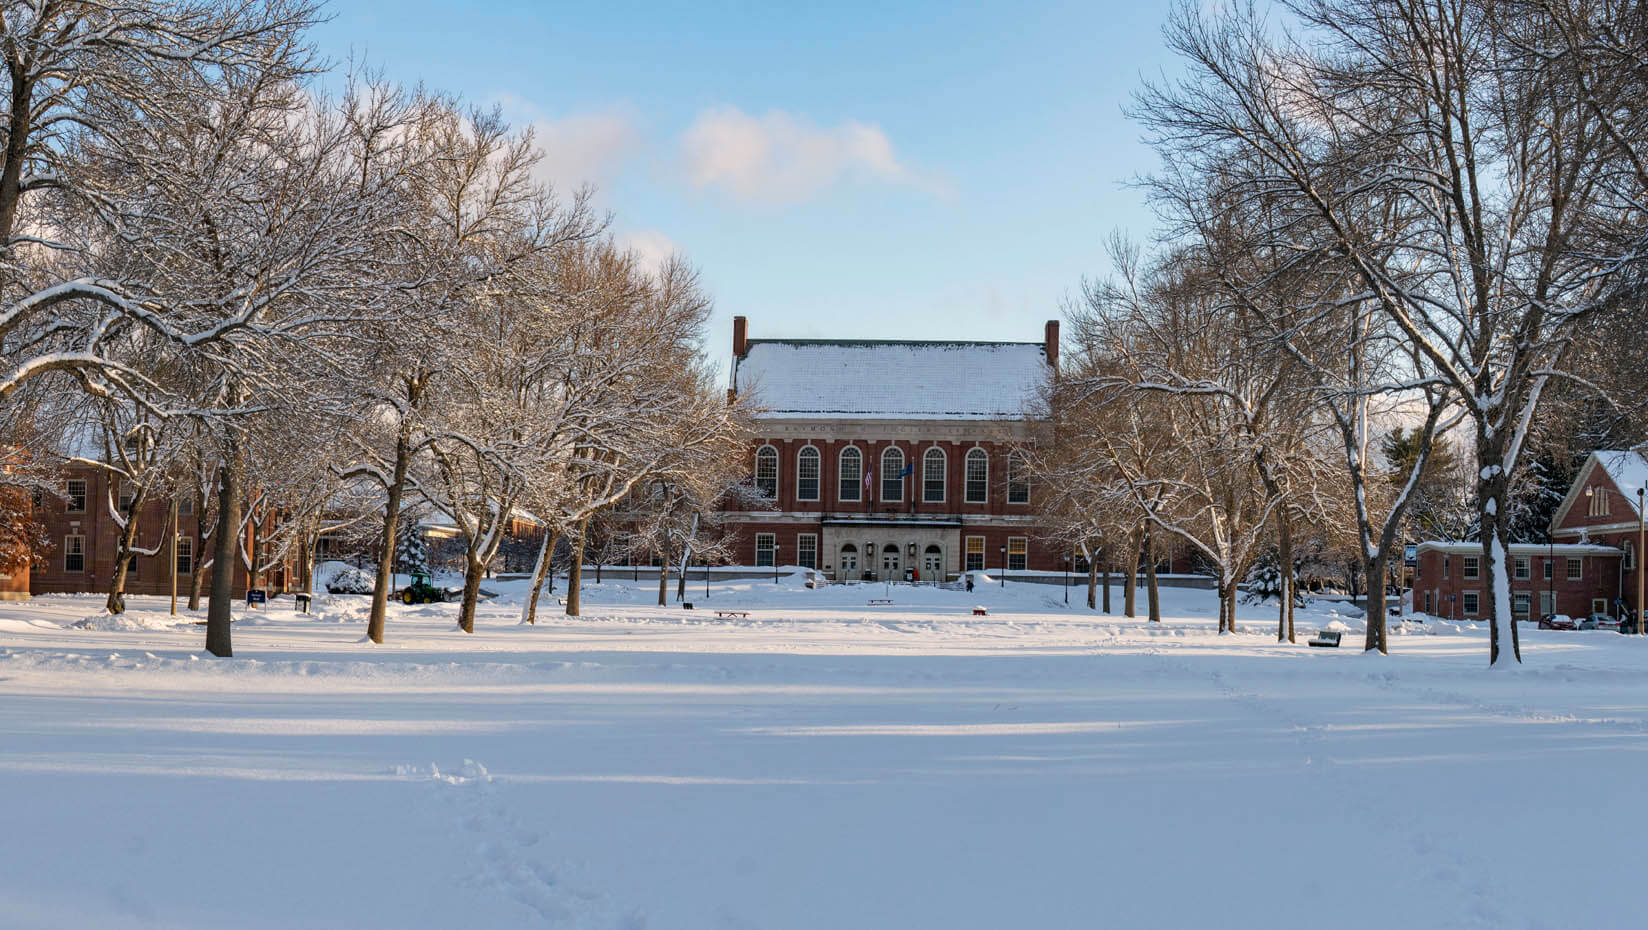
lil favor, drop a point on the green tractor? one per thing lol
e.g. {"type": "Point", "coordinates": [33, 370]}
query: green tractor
{"type": "Point", "coordinates": [420, 591]}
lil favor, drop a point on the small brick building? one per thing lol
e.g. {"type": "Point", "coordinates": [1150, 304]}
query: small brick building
{"type": "Point", "coordinates": [1602, 508]}
{"type": "Point", "coordinates": [1572, 579]}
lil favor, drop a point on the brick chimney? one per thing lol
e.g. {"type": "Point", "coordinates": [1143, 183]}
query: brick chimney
{"type": "Point", "coordinates": [1052, 345]}
{"type": "Point", "coordinates": [740, 329]}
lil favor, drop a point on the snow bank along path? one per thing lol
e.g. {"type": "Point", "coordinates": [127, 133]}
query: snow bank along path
{"type": "Point", "coordinates": [823, 764]}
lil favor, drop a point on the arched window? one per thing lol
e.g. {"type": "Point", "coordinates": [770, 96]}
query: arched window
{"type": "Point", "coordinates": [806, 474]}
{"type": "Point", "coordinates": [851, 469]}
{"type": "Point", "coordinates": [1018, 481]}
{"type": "Point", "coordinates": [978, 476]}
{"type": "Point", "coordinates": [766, 471]}
{"type": "Point", "coordinates": [932, 476]}
{"type": "Point", "coordinates": [892, 474]}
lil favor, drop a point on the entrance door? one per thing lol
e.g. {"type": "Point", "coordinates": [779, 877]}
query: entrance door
{"type": "Point", "coordinates": [848, 563]}
{"type": "Point", "coordinates": [932, 564]}
{"type": "Point", "coordinates": [889, 562]}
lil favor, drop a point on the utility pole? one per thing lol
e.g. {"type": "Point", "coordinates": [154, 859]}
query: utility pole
{"type": "Point", "coordinates": [174, 555]}
{"type": "Point", "coordinates": [1642, 570]}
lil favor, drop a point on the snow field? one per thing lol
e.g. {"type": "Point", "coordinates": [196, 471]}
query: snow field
{"type": "Point", "coordinates": [824, 763]}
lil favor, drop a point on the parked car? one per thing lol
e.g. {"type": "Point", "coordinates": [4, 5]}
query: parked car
{"type": "Point", "coordinates": [1557, 622]}
{"type": "Point", "coordinates": [1599, 622]}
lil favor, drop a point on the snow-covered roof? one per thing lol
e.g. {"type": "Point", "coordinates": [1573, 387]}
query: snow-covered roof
{"type": "Point", "coordinates": [1628, 469]}
{"type": "Point", "coordinates": [1472, 547]}
{"type": "Point", "coordinates": [870, 379]}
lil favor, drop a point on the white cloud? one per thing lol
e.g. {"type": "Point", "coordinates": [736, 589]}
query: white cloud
{"type": "Point", "coordinates": [652, 247]}
{"type": "Point", "coordinates": [579, 148]}
{"type": "Point", "coordinates": [779, 158]}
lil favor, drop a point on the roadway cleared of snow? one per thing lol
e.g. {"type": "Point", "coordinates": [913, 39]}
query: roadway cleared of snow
{"type": "Point", "coordinates": [824, 763]}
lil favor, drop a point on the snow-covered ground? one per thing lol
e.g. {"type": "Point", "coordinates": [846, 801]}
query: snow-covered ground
{"type": "Point", "coordinates": [824, 763]}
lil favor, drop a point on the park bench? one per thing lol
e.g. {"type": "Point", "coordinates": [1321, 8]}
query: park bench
{"type": "Point", "coordinates": [981, 612]}
{"type": "Point", "coordinates": [1326, 638]}
{"type": "Point", "coordinates": [880, 600]}
{"type": "Point", "coordinates": [740, 614]}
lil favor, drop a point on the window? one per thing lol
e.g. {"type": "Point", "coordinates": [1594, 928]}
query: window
{"type": "Point", "coordinates": [77, 495]}
{"type": "Point", "coordinates": [1521, 602]}
{"type": "Point", "coordinates": [74, 553]}
{"type": "Point", "coordinates": [892, 474]}
{"type": "Point", "coordinates": [1018, 548]}
{"type": "Point", "coordinates": [1473, 567]}
{"type": "Point", "coordinates": [806, 550]}
{"type": "Point", "coordinates": [186, 507]}
{"type": "Point", "coordinates": [1547, 602]}
{"type": "Point", "coordinates": [1018, 483]}
{"type": "Point", "coordinates": [1078, 563]}
{"type": "Point", "coordinates": [765, 544]}
{"type": "Point", "coordinates": [978, 476]}
{"type": "Point", "coordinates": [766, 471]}
{"type": "Point", "coordinates": [1598, 496]}
{"type": "Point", "coordinates": [851, 468]}
{"type": "Point", "coordinates": [932, 476]}
{"type": "Point", "coordinates": [186, 554]}
{"type": "Point", "coordinates": [1521, 570]}
{"type": "Point", "coordinates": [1576, 569]}
{"type": "Point", "coordinates": [975, 554]}
{"type": "Point", "coordinates": [1630, 556]}
{"type": "Point", "coordinates": [806, 474]}
{"type": "Point", "coordinates": [1427, 602]}
{"type": "Point", "coordinates": [126, 498]}
{"type": "Point", "coordinates": [131, 568]}
{"type": "Point", "coordinates": [1445, 561]}
{"type": "Point", "coordinates": [1548, 564]}
{"type": "Point", "coordinates": [1470, 604]}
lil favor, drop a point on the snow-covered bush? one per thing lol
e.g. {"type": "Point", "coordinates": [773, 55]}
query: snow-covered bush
{"type": "Point", "coordinates": [1265, 582]}
{"type": "Point", "coordinates": [350, 581]}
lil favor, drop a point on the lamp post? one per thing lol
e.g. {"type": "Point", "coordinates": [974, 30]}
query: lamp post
{"type": "Point", "coordinates": [1067, 581]}
{"type": "Point", "coordinates": [1642, 537]}
{"type": "Point", "coordinates": [775, 561]}
{"type": "Point", "coordinates": [1004, 567]}
{"type": "Point", "coordinates": [706, 564]}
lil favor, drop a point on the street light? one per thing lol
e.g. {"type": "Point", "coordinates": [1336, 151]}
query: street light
{"type": "Point", "coordinates": [775, 561]}
{"type": "Point", "coordinates": [1067, 581]}
{"type": "Point", "coordinates": [706, 564]}
{"type": "Point", "coordinates": [1004, 567]}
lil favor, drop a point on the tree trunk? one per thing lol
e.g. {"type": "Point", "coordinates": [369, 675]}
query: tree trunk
{"type": "Point", "coordinates": [1154, 594]}
{"type": "Point", "coordinates": [386, 541]}
{"type": "Point", "coordinates": [474, 571]}
{"type": "Point", "coordinates": [225, 553]}
{"type": "Point", "coordinates": [575, 572]}
{"type": "Point", "coordinates": [116, 601]}
{"type": "Point", "coordinates": [1284, 572]}
{"type": "Point", "coordinates": [529, 610]}
{"type": "Point", "coordinates": [1219, 593]}
{"type": "Point", "coordinates": [1227, 605]}
{"type": "Point", "coordinates": [1093, 581]}
{"type": "Point", "coordinates": [1375, 601]}
{"type": "Point", "coordinates": [1106, 594]}
{"type": "Point", "coordinates": [663, 578]}
{"type": "Point", "coordinates": [1493, 493]}
{"type": "Point", "coordinates": [197, 575]}
{"type": "Point", "coordinates": [1131, 579]}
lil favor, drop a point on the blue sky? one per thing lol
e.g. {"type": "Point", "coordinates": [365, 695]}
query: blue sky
{"type": "Point", "coordinates": [879, 170]}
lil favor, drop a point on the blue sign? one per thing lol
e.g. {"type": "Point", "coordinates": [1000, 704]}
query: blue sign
{"type": "Point", "coordinates": [257, 596]}
{"type": "Point", "coordinates": [1410, 554]}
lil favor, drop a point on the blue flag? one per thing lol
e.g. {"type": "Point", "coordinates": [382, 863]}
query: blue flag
{"type": "Point", "coordinates": [909, 470]}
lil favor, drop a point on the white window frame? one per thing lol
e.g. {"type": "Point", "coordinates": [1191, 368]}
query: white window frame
{"type": "Point", "coordinates": [804, 541]}
{"type": "Point", "coordinates": [1445, 560]}
{"type": "Point", "coordinates": [1522, 604]}
{"type": "Point", "coordinates": [69, 492]}
{"type": "Point", "coordinates": [968, 554]}
{"type": "Point", "coordinates": [855, 486]}
{"type": "Point", "coordinates": [186, 551]}
{"type": "Point", "coordinates": [1550, 568]}
{"type": "Point", "coordinates": [1472, 567]}
{"type": "Point", "coordinates": [74, 544]}
{"type": "Point", "coordinates": [1576, 570]}
{"type": "Point", "coordinates": [1547, 602]}
{"type": "Point", "coordinates": [186, 507]}
{"type": "Point", "coordinates": [926, 476]}
{"type": "Point", "coordinates": [983, 458]}
{"type": "Point", "coordinates": [1520, 569]}
{"type": "Point", "coordinates": [769, 543]}
{"type": "Point", "coordinates": [1466, 607]}
{"type": "Point", "coordinates": [1630, 555]}
{"type": "Point", "coordinates": [1015, 470]}
{"type": "Point", "coordinates": [895, 475]}
{"type": "Point", "coordinates": [1022, 544]}
{"type": "Point", "coordinates": [125, 498]}
{"type": "Point", "coordinates": [759, 454]}
{"type": "Point", "coordinates": [818, 473]}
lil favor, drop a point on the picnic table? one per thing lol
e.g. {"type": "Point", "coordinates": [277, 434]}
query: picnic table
{"type": "Point", "coordinates": [981, 611]}
{"type": "Point", "coordinates": [741, 614]}
{"type": "Point", "coordinates": [880, 600]}
{"type": "Point", "coordinates": [1328, 638]}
